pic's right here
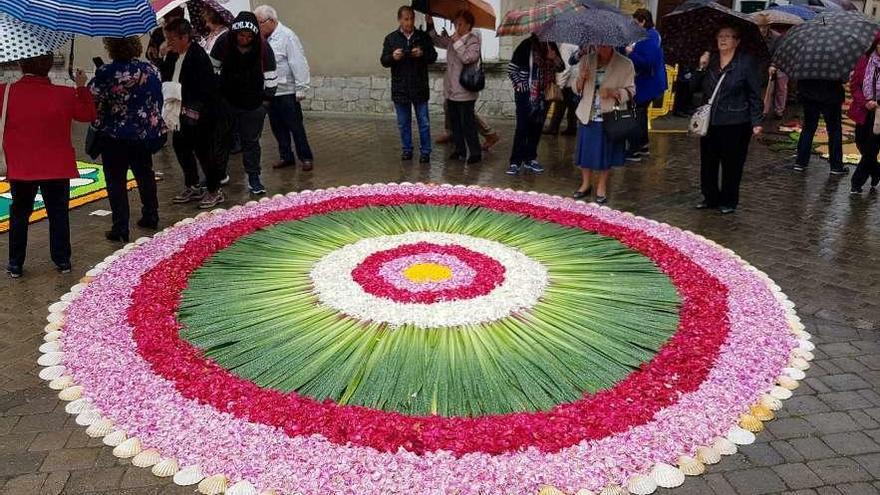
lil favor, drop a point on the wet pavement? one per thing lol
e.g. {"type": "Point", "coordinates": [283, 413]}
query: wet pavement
{"type": "Point", "coordinates": [805, 230]}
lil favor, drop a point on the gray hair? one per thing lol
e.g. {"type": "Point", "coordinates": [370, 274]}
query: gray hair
{"type": "Point", "coordinates": [267, 12]}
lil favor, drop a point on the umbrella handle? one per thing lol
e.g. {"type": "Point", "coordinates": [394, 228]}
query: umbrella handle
{"type": "Point", "coordinates": [70, 60]}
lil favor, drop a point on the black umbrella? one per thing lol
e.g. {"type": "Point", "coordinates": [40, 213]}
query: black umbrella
{"type": "Point", "coordinates": [592, 27]}
{"type": "Point", "coordinates": [826, 47]}
{"type": "Point", "coordinates": [690, 30]}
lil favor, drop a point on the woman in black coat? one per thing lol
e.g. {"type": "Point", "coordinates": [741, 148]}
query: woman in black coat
{"type": "Point", "coordinates": [735, 117]}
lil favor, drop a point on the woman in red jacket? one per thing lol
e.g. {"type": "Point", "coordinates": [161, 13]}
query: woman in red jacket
{"type": "Point", "coordinates": [40, 155]}
{"type": "Point", "coordinates": [864, 85]}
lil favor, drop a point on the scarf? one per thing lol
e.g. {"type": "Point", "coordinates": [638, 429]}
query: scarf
{"type": "Point", "coordinates": [871, 83]}
{"type": "Point", "coordinates": [541, 75]}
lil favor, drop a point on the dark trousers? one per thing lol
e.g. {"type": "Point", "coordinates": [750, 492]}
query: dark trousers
{"type": "Point", "coordinates": [529, 124]}
{"type": "Point", "coordinates": [193, 146]}
{"type": "Point", "coordinates": [869, 147]}
{"type": "Point", "coordinates": [56, 196]}
{"type": "Point", "coordinates": [286, 120]}
{"type": "Point", "coordinates": [249, 124]}
{"type": "Point", "coordinates": [464, 129]}
{"type": "Point", "coordinates": [831, 112]}
{"type": "Point", "coordinates": [564, 110]}
{"type": "Point", "coordinates": [640, 139]}
{"type": "Point", "coordinates": [120, 155]}
{"type": "Point", "coordinates": [724, 147]}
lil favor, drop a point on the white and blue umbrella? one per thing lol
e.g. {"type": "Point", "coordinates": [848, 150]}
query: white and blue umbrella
{"type": "Point", "coordinates": [592, 27]}
{"type": "Point", "coordinates": [115, 18]}
{"type": "Point", "coordinates": [23, 40]}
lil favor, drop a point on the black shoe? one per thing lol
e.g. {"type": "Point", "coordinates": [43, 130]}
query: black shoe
{"type": "Point", "coordinates": [601, 200]}
{"type": "Point", "coordinates": [727, 210]}
{"type": "Point", "coordinates": [425, 159]}
{"type": "Point", "coordinates": [839, 171]}
{"type": "Point", "coordinates": [64, 269]}
{"type": "Point", "coordinates": [875, 181]}
{"type": "Point", "coordinates": [114, 237]}
{"type": "Point", "coordinates": [798, 167]}
{"type": "Point", "coordinates": [148, 224]}
{"type": "Point", "coordinates": [474, 159]}
{"type": "Point", "coordinates": [571, 131]}
{"type": "Point", "coordinates": [458, 157]}
{"type": "Point", "coordinates": [406, 156]}
{"type": "Point", "coordinates": [703, 206]}
{"type": "Point", "coordinates": [856, 191]}
{"type": "Point", "coordinates": [14, 271]}
{"type": "Point", "coordinates": [582, 194]}
{"type": "Point", "coordinates": [634, 157]}
{"type": "Point", "coordinates": [550, 132]}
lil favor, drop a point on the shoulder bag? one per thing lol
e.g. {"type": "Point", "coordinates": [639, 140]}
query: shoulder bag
{"type": "Point", "coordinates": [620, 124]}
{"type": "Point", "coordinates": [472, 77]}
{"type": "Point", "coordinates": [3, 128]}
{"type": "Point", "coordinates": [699, 125]}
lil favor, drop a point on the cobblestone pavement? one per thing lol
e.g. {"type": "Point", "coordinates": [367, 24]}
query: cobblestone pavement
{"type": "Point", "coordinates": [821, 245]}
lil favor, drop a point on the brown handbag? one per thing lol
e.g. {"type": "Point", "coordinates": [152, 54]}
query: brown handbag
{"type": "Point", "coordinates": [552, 92]}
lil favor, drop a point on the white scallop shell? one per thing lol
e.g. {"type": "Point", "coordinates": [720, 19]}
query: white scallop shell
{"type": "Point", "coordinates": [641, 485]}
{"type": "Point", "coordinates": [667, 476]}
{"type": "Point", "coordinates": [800, 364]}
{"type": "Point", "coordinates": [115, 438]}
{"type": "Point", "coordinates": [265, 200]}
{"type": "Point", "coordinates": [690, 466]}
{"type": "Point", "coordinates": [94, 272]}
{"type": "Point", "coordinates": [805, 355]}
{"type": "Point", "coordinates": [188, 476]}
{"type": "Point", "coordinates": [740, 436]}
{"type": "Point", "coordinates": [52, 327]}
{"type": "Point", "coordinates": [58, 307]}
{"type": "Point", "coordinates": [213, 485]}
{"type": "Point", "coordinates": [794, 373]}
{"type": "Point", "coordinates": [78, 406]}
{"type": "Point", "coordinates": [550, 490]}
{"type": "Point", "coordinates": [146, 458]}
{"type": "Point", "coordinates": [243, 487]}
{"type": "Point", "coordinates": [780, 393]}
{"type": "Point", "coordinates": [128, 448]}
{"type": "Point", "coordinates": [613, 490]}
{"type": "Point", "coordinates": [52, 372]}
{"type": "Point", "coordinates": [584, 491]}
{"type": "Point", "coordinates": [771, 402]}
{"type": "Point", "coordinates": [71, 393]}
{"type": "Point", "coordinates": [53, 336]}
{"type": "Point", "coordinates": [76, 289]}
{"type": "Point", "coordinates": [53, 346]}
{"type": "Point", "coordinates": [141, 240]}
{"type": "Point", "coordinates": [807, 345]}
{"type": "Point", "coordinates": [788, 382]}
{"type": "Point", "coordinates": [68, 297]}
{"type": "Point", "coordinates": [100, 428]}
{"type": "Point", "coordinates": [51, 359]}
{"type": "Point", "coordinates": [61, 382]}
{"type": "Point", "coordinates": [165, 468]}
{"type": "Point", "coordinates": [724, 446]}
{"type": "Point", "coordinates": [88, 418]}
{"type": "Point", "coordinates": [708, 455]}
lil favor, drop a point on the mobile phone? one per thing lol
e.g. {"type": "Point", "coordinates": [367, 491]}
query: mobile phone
{"type": "Point", "coordinates": [98, 61]}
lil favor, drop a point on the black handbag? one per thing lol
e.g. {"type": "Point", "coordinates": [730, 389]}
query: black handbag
{"type": "Point", "coordinates": [94, 143]}
{"type": "Point", "coordinates": [472, 77]}
{"type": "Point", "coordinates": [621, 124]}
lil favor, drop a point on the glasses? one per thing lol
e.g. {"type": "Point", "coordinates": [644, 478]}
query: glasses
{"type": "Point", "coordinates": [264, 21]}
{"type": "Point", "coordinates": [726, 37]}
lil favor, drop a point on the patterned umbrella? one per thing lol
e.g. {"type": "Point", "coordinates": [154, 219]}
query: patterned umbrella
{"type": "Point", "coordinates": [592, 27]}
{"type": "Point", "coordinates": [86, 17]}
{"type": "Point", "coordinates": [798, 10]}
{"type": "Point", "coordinates": [827, 47]}
{"type": "Point", "coordinates": [517, 22]}
{"type": "Point", "coordinates": [777, 17]}
{"type": "Point", "coordinates": [690, 30]}
{"type": "Point", "coordinates": [195, 8]}
{"type": "Point", "coordinates": [23, 40]}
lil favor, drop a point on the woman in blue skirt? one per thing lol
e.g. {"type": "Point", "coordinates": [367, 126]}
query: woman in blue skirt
{"type": "Point", "coordinates": [606, 81]}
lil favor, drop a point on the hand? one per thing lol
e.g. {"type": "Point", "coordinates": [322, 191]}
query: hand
{"type": "Point", "coordinates": [300, 97]}
{"type": "Point", "coordinates": [398, 54]}
{"type": "Point", "coordinates": [608, 93]}
{"type": "Point", "coordinates": [772, 70]}
{"type": "Point", "coordinates": [80, 78]}
{"type": "Point", "coordinates": [163, 50]}
{"type": "Point", "coordinates": [871, 105]}
{"type": "Point", "coordinates": [629, 49]}
{"type": "Point", "coordinates": [757, 130]}
{"type": "Point", "coordinates": [417, 52]}
{"type": "Point", "coordinates": [704, 60]}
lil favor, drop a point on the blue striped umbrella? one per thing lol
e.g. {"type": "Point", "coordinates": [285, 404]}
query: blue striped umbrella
{"type": "Point", "coordinates": [115, 18]}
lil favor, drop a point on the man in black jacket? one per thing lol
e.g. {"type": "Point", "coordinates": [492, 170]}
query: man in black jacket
{"type": "Point", "coordinates": [408, 52]}
{"type": "Point", "coordinates": [193, 141]}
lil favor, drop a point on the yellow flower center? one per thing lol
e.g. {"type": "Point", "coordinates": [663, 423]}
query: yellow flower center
{"type": "Point", "coordinates": [424, 273]}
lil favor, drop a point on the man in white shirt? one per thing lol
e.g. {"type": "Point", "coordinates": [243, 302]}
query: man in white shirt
{"type": "Point", "coordinates": [285, 111]}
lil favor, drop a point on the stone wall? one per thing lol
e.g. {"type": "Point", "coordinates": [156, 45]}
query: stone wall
{"type": "Point", "coordinates": [372, 94]}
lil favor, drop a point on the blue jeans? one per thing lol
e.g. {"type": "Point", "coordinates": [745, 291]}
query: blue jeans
{"type": "Point", "coordinates": [404, 122]}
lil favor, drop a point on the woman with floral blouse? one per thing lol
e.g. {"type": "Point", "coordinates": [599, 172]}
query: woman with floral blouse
{"type": "Point", "coordinates": [128, 95]}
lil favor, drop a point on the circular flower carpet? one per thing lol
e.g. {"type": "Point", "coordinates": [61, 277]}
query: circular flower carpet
{"type": "Point", "coordinates": [424, 339]}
